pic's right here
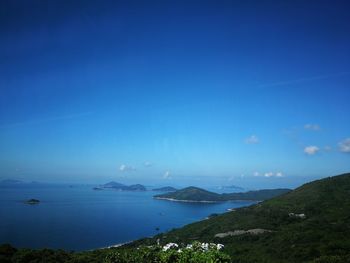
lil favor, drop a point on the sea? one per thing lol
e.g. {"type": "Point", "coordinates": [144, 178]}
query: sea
{"type": "Point", "coordinates": [78, 218]}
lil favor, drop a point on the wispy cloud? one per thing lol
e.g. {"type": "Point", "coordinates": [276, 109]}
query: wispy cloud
{"type": "Point", "coordinates": [271, 174]}
{"type": "Point", "coordinates": [301, 80]}
{"type": "Point", "coordinates": [344, 145]}
{"type": "Point", "coordinates": [126, 168]}
{"type": "Point", "coordinates": [268, 174]}
{"type": "Point", "coordinates": [253, 139]}
{"type": "Point", "coordinates": [279, 174]}
{"type": "Point", "coordinates": [311, 150]}
{"type": "Point", "coordinates": [167, 175]}
{"type": "Point", "coordinates": [44, 120]}
{"type": "Point", "coordinates": [312, 127]}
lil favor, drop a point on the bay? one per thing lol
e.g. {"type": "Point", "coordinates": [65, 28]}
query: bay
{"type": "Point", "coordinates": [79, 218]}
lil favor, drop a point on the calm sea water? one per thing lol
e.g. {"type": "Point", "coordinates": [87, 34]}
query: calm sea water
{"type": "Point", "coordinates": [79, 218]}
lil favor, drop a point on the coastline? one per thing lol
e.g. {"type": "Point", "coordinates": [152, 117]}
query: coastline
{"type": "Point", "coordinates": [185, 201]}
{"type": "Point", "coordinates": [118, 245]}
{"type": "Point", "coordinates": [204, 201]}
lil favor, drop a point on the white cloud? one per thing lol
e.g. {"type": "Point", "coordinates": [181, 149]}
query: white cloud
{"type": "Point", "coordinates": [252, 139]}
{"type": "Point", "coordinates": [279, 174]}
{"type": "Point", "coordinates": [344, 146]}
{"type": "Point", "coordinates": [167, 175]}
{"type": "Point", "coordinates": [312, 127]}
{"type": "Point", "coordinates": [147, 164]}
{"type": "Point", "coordinates": [269, 174]}
{"type": "Point", "coordinates": [311, 150]}
{"type": "Point", "coordinates": [126, 168]}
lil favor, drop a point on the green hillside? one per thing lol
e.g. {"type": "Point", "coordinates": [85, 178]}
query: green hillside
{"type": "Point", "coordinates": [191, 194]}
{"type": "Point", "coordinates": [196, 194]}
{"type": "Point", "coordinates": [322, 235]}
{"type": "Point", "coordinates": [257, 195]}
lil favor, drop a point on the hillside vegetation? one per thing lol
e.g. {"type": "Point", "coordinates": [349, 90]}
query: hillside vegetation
{"type": "Point", "coordinates": [196, 194]}
{"type": "Point", "coordinates": [309, 224]}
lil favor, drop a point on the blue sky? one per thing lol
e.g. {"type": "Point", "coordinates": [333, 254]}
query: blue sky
{"type": "Point", "coordinates": [252, 93]}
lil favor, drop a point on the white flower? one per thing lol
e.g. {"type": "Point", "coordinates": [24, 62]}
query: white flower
{"type": "Point", "coordinates": [205, 246]}
{"type": "Point", "coordinates": [170, 245]}
{"type": "Point", "coordinates": [189, 246]}
{"type": "Point", "coordinates": [212, 245]}
{"type": "Point", "coordinates": [219, 246]}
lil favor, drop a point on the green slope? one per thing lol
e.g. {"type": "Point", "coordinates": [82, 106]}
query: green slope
{"type": "Point", "coordinates": [196, 194]}
{"type": "Point", "coordinates": [322, 236]}
{"type": "Point", "coordinates": [191, 194]}
{"type": "Point", "coordinates": [257, 195]}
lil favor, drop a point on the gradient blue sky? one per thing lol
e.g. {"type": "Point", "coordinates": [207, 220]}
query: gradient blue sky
{"type": "Point", "coordinates": [252, 93]}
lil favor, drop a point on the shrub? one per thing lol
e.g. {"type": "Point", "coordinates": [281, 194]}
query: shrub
{"type": "Point", "coordinates": [171, 253]}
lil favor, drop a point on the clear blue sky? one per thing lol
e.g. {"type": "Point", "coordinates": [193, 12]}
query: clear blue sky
{"type": "Point", "coordinates": [252, 93]}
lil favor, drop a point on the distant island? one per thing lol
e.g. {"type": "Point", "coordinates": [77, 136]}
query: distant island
{"type": "Point", "coordinates": [195, 194]}
{"type": "Point", "coordinates": [122, 187]}
{"type": "Point", "coordinates": [134, 187]}
{"type": "Point", "coordinates": [165, 189]}
{"type": "Point", "coordinates": [32, 201]}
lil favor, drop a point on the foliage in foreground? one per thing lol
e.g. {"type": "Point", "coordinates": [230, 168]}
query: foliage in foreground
{"type": "Point", "coordinates": [170, 253]}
